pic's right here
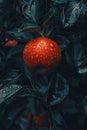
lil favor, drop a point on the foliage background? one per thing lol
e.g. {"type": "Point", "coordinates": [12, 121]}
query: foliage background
{"type": "Point", "coordinates": [64, 94]}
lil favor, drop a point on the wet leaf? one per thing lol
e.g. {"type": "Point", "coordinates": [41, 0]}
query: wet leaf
{"type": "Point", "coordinates": [84, 105]}
{"type": "Point", "coordinates": [82, 66]}
{"type": "Point", "coordinates": [43, 128]}
{"type": "Point", "coordinates": [35, 10]}
{"type": "Point", "coordinates": [7, 92]}
{"type": "Point", "coordinates": [27, 71]}
{"type": "Point", "coordinates": [56, 116]}
{"type": "Point", "coordinates": [10, 78]}
{"type": "Point", "coordinates": [69, 106]}
{"type": "Point", "coordinates": [76, 54]}
{"type": "Point", "coordinates": [23, 122]}
{"type": "Point", "coordinates": [63, 41]}
{"type": "Point", "coordinates": [29, 27]}
{"type": "Point", "coordinates": [2, 59]}
{"type": "Point", "coordinates": [20, 36]}
{"type": "Point", "coordinates": [17, 50]}
{"type": "Point", "coordinates": [59, 92]}
{"type": "Point", "coordinates": [60, 1]}
{"type": "Point", "coordinates": [73, 11]}
{"type": "Point", "coordinates": [30, 10]}
{"type": "Point", "coordinates": [41, 84]}
{"type": "Point", "coordinates": [76, 57]}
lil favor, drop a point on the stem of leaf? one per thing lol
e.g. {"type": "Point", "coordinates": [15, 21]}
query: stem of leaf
{"type": "Point", "coordinates": [41, 34]}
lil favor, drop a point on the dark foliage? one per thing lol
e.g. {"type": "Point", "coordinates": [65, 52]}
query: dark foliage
{"type": "Point", "coordinates": [61, 95]}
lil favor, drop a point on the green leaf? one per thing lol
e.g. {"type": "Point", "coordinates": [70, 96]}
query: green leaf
{"type": "Point", "coordinates": [41, 84]}
{"type": "Point", "coordinates": [7, 92]}
{"type": "Point", "coordinates": [69, 106]}
{"type": "Point", "coordinates": [59, 91]}
{"type": "Point", "coordinates": [19, 35]}
{"type": "Point", "coordinates": [84, 105]}
{"type": "Point", "coordinates": [57, 117]}
{"type": "Point", "coordinates": [29, 27]}
{"type": "Point", "coordinates": [60, 1]}
{"type": "Point", "coordinates": [75, 54]}
{"type": "Point", "coordinates": [27, 71]}
{"type": "Point", "coordinates": [14, 52]}
{"type": "Point", "coordinates": [73, 12]}
{"type": "Point", "coordinates": [43, 128]}
{"type": "Point", "coordinates": [11, 77]}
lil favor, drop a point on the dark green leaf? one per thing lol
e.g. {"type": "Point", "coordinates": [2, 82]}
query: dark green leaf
{"type": "Point", "coordinates": [76, 57]}
{"type": "Point", "coordinates": [82, 66]}
{"type": "Point", "coordinates": [60, 1]}
{"type": "Point", "coordinates": [20, 36]}
{"type": "Point", "coordinates": [29, 27]}
{"type": "Point", "coordinates": [27, 71]}
{"type": "Point", "coordinates": [35, 105]}
{"type": "Point", "coordinates": [17, 50]}
{"type": "Point", "coordinates": [10, 78]}
{"type": "Point", "coordinates": [23, 122]}
{"type": "Point", "coordinates": [41, 84]}
{"type": "Point", "coordinates": [84, 105]}
{"type": "Point", "coordinates": [69, 106]}
{"type": "Point", "coordinates": [43, 128]}
{"type": "Point", "coordinates": [30, 10]}
{"type": "Point", "coordinates": [2, 59]}
{"type": "Point", "coordinates": [62, 41]}
{"type": "Point", "coordinates": [56, 116]}
{"type": "Point", "coordinates": [7, 92]}
{"type": "Point", "coordinates": [59, 92]}
{"type": "Point", "coordinates": [72, 12]}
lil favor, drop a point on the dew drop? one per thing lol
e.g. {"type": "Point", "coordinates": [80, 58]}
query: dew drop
{"type": "Point", "coordinates": [41, 42]}
{"type": "Point", "coordinates": [51, 45]}
{"type": "Point", "coordinates": [51, 49]}
{"type": "Point", "coordinates": [4, 91]}
{"type": "Point", "coordinates": [34, 46]}
{"type": "Point", "coordinates": [10, 87]}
